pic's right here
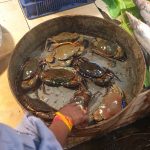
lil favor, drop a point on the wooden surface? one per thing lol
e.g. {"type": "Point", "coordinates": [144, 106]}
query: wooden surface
{"type": "Point", "coordinates": [16, 25]}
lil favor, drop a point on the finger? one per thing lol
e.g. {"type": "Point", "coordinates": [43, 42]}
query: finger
{"type": "Point", "coordinates": [75, 104]}
{"type": "Point", "coordinates": [86, 118]}
{"type": "Point", "coordinates": [84, 124]}
{"type": "Point", "coordinates": [85, 111]}
{"type": "Point", "coordinates": [81, 108]}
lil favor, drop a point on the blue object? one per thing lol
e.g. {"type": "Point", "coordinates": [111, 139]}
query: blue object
{"type": "Point", "coordinates": [37, 8]}
{"type": "Point", "coordinates": [32, 134]}
{"type": "Point", "coordinates": [123, 103]}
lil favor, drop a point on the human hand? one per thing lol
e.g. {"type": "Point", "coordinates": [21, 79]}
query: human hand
{"type": "Point", "coordinates": [75, 112]}
{"type": "Point", "coordinates": [78, 116]}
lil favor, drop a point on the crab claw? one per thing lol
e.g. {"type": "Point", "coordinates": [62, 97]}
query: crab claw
{"type": "Point", "coordinates": [83, 96]}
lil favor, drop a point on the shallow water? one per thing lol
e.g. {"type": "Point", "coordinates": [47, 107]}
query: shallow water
{"type": "Point", "coordinates": [59, 96]}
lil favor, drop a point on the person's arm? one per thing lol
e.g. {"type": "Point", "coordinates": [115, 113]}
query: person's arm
{"type": "Point", "coordinates": [60, 131]}
{"type": "Point", "coordinates": [78, 116]}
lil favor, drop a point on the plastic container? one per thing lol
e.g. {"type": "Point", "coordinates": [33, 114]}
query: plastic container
{"type": "Point", "coordinates": [37, 8]}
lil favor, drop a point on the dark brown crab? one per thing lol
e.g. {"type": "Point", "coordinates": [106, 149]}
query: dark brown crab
{"type": "Point", "coordinates": [60, 76]}
{"type": "Point", "coordinates": [61, 54]}
{"type": "Point", "coordinates": [34, 74]}
{"type": "Point", "coordinates": [30, 68]}
{"type": "Point", "coordinates": [99, 75]}
{"type": "Point", "coordinates": [82, 97]}
{"type": "Point", "coordinates": [31, 84]}
{"type": "Point", "coordinates": [29, 76]}
{"type": "Point", "coordinates": [108, 49]}
{"type": "Point", "coordinates": [66, 37]}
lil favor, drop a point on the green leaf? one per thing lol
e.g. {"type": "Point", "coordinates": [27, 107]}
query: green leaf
{"type": "Point", "coordinates": [113, 7]}
{"type": "Point", "coordinates": [147, 79]}
{"type": "Point", "coordinates": [125, 23]}
{"type": "Point", "coordinates": [118, 7]}
{"type": "Point", "coordinates": [125, 4]}
{"type": "Point", "coordinates": [134, 11]}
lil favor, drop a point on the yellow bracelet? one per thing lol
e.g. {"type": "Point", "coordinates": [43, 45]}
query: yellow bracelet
{"type": "Point", "coordinates": [65, 119]}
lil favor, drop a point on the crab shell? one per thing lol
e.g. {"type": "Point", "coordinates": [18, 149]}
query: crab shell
{"type": "Point", "coordinates": [62, 53]}
{"type": "Point", "coordinates": [60, 76]}
{"type": "Point", "coordinates": [105, 80]}
{"type": "Point", "coordinates": [49, 57]}
{"type": "Point", "coordinates": [99, 75]}
{"type": "Point", "coordinates": [29, 79]}
{"type": "Point", "coordinates": [31, 84]}
{"type": "Point", "coordinates": [108, 49]}
{"type": "Point", "coordinates": [58, 63]}
{"type": "Point", "coordinates": [66, 50]}
{"type": "Point", "coordinates": [82, 96]}
{"type": "Point", "coordinates": [65, 37]}
{"type": "Point", "coordinates": [49, 60]}
{"type": "Point", "coordinates": [111, 104]}
{"type": "Point", "coordinates": [30, 68]}
{"type": "Point", "coordinates": [88, 69]}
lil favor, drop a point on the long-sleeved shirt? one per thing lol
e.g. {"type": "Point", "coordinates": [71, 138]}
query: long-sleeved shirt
{"type": "Point", "coordinates": [31, 134]}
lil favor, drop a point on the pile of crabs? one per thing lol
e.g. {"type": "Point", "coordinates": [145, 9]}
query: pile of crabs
{"type": "Point", "coordinates": [62, 63]}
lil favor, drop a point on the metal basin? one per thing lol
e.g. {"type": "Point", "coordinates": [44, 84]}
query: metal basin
{"type": "Point", "coordinates": [133, 72]}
